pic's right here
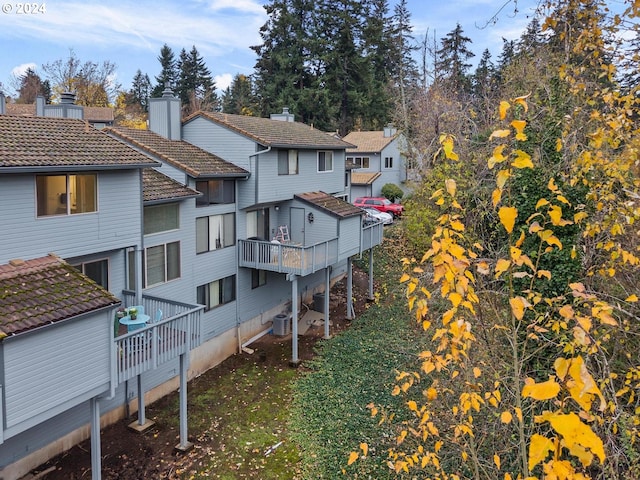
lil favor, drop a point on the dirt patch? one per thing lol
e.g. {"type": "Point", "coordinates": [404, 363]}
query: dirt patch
{"type": "Point", "coordinates": [127, 455]}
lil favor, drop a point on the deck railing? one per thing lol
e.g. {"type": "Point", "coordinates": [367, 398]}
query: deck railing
{"type": "Point", "coordinates": [158, 342]}
{"type": "Point", "coordinates": [371, 236]}
{"type": "Point", "coordinates": [287, 258]}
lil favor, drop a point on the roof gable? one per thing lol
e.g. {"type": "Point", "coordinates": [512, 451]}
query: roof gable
{"type": "Point", "coordinates": [274, 133]}
{"type": "Point", "coordinates": [45, 290]}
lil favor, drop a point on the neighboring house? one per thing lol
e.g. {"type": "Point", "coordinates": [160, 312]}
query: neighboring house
{"type": "Point", "coordinates": [98, 117]}
{"type": "Point", "coordinates": [215, 226]}
{"type": "Point", "coordinates": [378, 160]}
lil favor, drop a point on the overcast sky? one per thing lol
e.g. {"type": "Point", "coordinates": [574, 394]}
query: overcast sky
{"type": "Point", "coordinates": [131, 33]}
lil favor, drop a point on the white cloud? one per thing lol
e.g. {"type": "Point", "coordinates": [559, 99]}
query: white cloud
{"type": "Point", "coordinates": [223, 81]}
{"type": "Point", "coordinates": [20, 70]}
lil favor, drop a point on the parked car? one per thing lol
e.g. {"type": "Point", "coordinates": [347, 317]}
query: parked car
{"type": "Point", "coordinates": [374, 216]}
{"type": "Point", "coordinates": [381, 204]}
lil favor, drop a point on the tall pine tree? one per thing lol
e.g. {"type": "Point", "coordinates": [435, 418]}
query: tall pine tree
{"type": "Point", "coordinates": [168, 74]}
{"type": "Point", "coordinates": [452, 60]}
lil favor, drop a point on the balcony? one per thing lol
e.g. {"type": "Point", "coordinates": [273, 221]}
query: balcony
{"type": "Point", "coordinates": [144, 349]}
{"type": "Point", "coordinates": [287, 258]}
{"type": "Point", "coordinates": [301, 260]}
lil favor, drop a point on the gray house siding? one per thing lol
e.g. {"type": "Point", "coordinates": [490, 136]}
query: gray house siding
{"type": "Point", "coordinates": [229, 146]}
{"type": "Point", "coordinates": [39, 382]}
{"type": "Point", "coordinates": [116, 224]}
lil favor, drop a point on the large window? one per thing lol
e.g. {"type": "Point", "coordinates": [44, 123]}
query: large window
{"type": "Point", "coordinates": [215, 192]}
{"type": "Point", "coordinates": [388, 162]}
{"type": "Point", "coordinates": [66, 194]}
{"type": "Point", "coordinates": [287, 162]}
{"type": "Point", "coordinates": [160, 218]}
{"type": "Point", "coordinates": [325, 161]}
{"type": "Point", "coordinates": [360, 162]}
{"type": "Point", "coordinates": [161, 263]}
{"type": "Point", "coordinates": [215, 232]}
{"type": "Point", "coordinates": [217, 293]}
{"type": "Point", "coordinates": [98, 271]}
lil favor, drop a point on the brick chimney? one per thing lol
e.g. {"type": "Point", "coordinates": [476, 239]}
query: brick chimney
{"type": "Point", "coordinates": [164, 115]}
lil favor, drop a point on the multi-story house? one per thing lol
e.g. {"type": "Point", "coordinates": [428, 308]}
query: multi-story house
{"type": "Point", "coordinates": [215, 226]}
{"type": "Point", "coordinates": [378, 159]}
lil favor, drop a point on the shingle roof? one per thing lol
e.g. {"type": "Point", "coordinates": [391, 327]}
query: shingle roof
{"type": "Point", "coordinates": [39, 143]}
{"type": "Point", "coordinates": [156, 187]}
{"type": "Point", "coordinates": [364, 178]}
{"type": "Point", "coordinates": [193, 160]}
{"type": "Point", "coordinates": [45, 290]}
{"type": "Point", "coordinates": [368, 141]}
{"type": "Point", "coordinates": [274, 133]}
{"type": "Point", "coordinates": [330, 204]}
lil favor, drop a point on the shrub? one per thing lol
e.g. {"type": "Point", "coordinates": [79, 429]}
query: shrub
{"type": "Point", "coordinates": [391, 191]}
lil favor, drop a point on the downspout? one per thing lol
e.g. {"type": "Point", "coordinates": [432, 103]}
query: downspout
{"type": "Point", "coordinates": [257, 154]}
{"type": "Point", "coordinates": [140, 247]}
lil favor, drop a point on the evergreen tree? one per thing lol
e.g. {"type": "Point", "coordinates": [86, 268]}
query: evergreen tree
{"type": "Point", "coordinates": [239, 98]}
{"type": "Point", "coordinates": [195, 86]}
{"type": "Point", "coordinates": [140, 91]}
{"type": "Point", "coordinates": [483, 81]}
{"type": "Point", "coordinates": [30, 85]}
{"type": "Point", "coordinates": [283, 69]}
{"type": "Point", "coordinates": [452, 60]}
{"type": "Point", "coordinates": [169, 74]}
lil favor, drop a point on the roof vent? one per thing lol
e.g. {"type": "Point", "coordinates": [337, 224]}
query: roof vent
{"type": "Point", "coordinates": [167, 92]}
{"type": "Point", "coordinates": [285, 116]}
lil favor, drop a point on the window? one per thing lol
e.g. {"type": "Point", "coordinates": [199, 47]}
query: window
{"type": "Point", "coordinates": [360, 162]}
{"type": "Point", "coordinates": [258, 278]}
{"type": "Point", "coordinates": [216, 192]}
{"type": "Point", "coordinates": [215, 232]}
{"type": "Point", "coordinates": [97, 271]}
{"type": "Point", "coordinates": [258, 224]}
{"type": "Point", "coordinates": [160, 218]}
{"type": "Point", "coordinates": [66, 194]}
{"type": "Point", "coordinates": [388, 162]}
{"type": "Point", "coordinates": [287, 162]}
{"type": "Point", "coordinates": [161, 264]}
{"type": "Point", "coordinates": [217, 293]}
{"type": "Point", "coordinates": [325, 161]}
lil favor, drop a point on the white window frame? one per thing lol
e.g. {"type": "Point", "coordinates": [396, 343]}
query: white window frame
{"type": "Point", "coordinates": [290, 162]}
{"type": "Point", "coordinates": [325, 156]}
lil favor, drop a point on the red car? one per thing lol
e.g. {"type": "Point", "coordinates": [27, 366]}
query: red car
{"type": "Point", "coordinates": [380, 203]}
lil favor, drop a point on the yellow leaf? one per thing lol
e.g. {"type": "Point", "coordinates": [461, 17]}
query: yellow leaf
{"type": "Point", "coordinates": [523, 160]}
{"type": "Point", "coordinates": [365, 448]}
{"type": "Point", "coordinates": [502, 177]}
{"type": "Point", "coordinates": [540, 391]}
{"type": "Point", "coordinates": [431, 393]}
{"type": "Point", "coordinates": [518, 305]}
{"type": "Point", "coordinates": [496, 157]}
{"type": "Point", "coordinates": [476, 372]}
{"type": "Point", "coordinates": [501, 266]}
{"type": "Point", "coordinates": [413, 406]}
{"type": "Point", "coordinates": [447, 146]}
{"type": "Point", "coordinates": [496, 460]}
{"type": "Point", "coordinates": [506, 417]}
{"type": "Point", "coordinates": [496, 196]}
{"type": "Point", "coordinates": [404, 278]}
{"type": "Point", "coordinates": [353, 456]}
{"type": "Point", "coordinates": [504, 106]}
{"type": "Point", "coordinates": [500, 133]}
{"type": "Point", "coordinates": [518, 413]}
{"type": "Point", "coordinates": [552, 185]}
{"type": "Point", "coordinates": [539, 449]}
{"type": "Point", "coordinates": [508, 217]}
{"type": "Point", "coordinates": [544, 273]}
{"type": "Point", "coordinates": [522, 101]}
{"type": "Point", "coordinates": [519, 127]}
{"type": "Point", "coordinates": [574, 431]}
{"type": "Point", "coordinates": [558, 144]}
{"type": "Point", "coordinates": [450, 185]}
{"type": "Point", "coordinates": [632, 298]}
{"type": "Point", "coordinates": [520, 240]}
